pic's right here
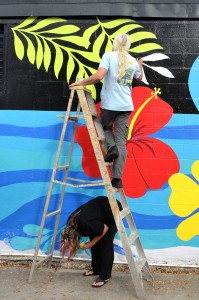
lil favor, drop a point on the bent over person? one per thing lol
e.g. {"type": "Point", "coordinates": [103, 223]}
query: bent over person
{"type": "Point", "coordinates": [118, 68]}
{"type": "Point", "coordinates": [95, 220]}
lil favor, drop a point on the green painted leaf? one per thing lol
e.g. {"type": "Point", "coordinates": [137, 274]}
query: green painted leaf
{"type": "Point", "coordinates": [125, 29]}
{"type": "Point", "coordinates": [40, 54]}
{"type": "Point", "coordinates": [43, 23]}
{"type": "Point", "coordinates": [59, 58]}
{"type": "Point", "coordinates": [47, 55]}
{"type": "Point", "coordinates": [30, 50]}
{"type": "Point", "coordinates": [25, 23]}
{"type": "Point", "coordinates": [98, 44]}
{"type": "Point", "coordinates": [70, 68]}
{"type": "Point", "coordinates": [145, 47]}
{"type": "Point", "coordinates": [115, 23]}
{"type": "Point", "coordinates": [138, 36]}
{"type": "Point", "coordinates": [19, 47]}
{"type": "Point", "coordinates": [77, 40]}
{"type": "Point", "coordinates": [88, 32]}
{"type": "Point", "coordinates": [65, 29]}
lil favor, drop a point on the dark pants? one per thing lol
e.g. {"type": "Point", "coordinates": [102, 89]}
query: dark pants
{"type": "Point", "coordinates": [103, 254]}
{"type": "Point", "coordinates": [115, 125]}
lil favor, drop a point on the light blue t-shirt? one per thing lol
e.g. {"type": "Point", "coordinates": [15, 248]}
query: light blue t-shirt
{"type": "Point", "coordinates": [116, 92]}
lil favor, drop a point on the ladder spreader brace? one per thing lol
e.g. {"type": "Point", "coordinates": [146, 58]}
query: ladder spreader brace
{"type": "Point", "coordinates": [137, 263]}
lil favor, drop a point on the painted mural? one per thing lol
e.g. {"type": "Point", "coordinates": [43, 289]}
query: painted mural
{"type": "Point", "coordinates": [161, 173]}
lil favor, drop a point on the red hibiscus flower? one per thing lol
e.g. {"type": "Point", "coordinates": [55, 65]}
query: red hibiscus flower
{"type": "Point", "coordinates": [150, 162]}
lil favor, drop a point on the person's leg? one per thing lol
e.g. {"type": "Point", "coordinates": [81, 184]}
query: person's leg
{"type": "Point", "coordinates": [121, 134]}
{"type": "Point", "coordinates": [107, 121]}
{"type": "Point", "coordinates": [107, 257]}
{"type": "Point", "coordinates": [96, 258]}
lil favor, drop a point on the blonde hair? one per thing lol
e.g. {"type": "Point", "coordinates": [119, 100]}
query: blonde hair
{"type": "Point", "coordinates": [122, 44]}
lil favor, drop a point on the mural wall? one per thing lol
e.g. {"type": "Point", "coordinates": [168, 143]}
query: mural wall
{"type": "Point", "coordinates": [40, 58]}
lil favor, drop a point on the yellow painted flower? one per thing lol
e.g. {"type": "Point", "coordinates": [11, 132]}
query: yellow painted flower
{"type": "Point", "coordinates": [184, 201]}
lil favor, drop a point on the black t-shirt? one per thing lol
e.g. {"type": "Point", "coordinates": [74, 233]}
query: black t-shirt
{"type": "Point", "coordinates": [93, 215]}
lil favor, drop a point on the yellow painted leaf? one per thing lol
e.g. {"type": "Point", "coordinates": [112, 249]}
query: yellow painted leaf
{"type": "Point", "coordinates": [125, 29]}
{"type": "Point", "coordinates": [81, 72]}
{"type": "Point", "coordinates": [19, 47]}
{"type": "Point", "coordinates": [138, 36]}
{"type": "Point", "coordinates": [145, 48]}
{"type": "Point", "coordinates": [92, 88]}
{"type": "Point", "coordinates": [109, 46]}
{"type": "Point", "coordinates": [91, 70]}
{"type": "Point", "coordinates": [115, 23]}
{"type": "Point", "coordinates": [47, 55]}
{"type": "Point", "coordinates": [43, 23]}
{"type": "Point", "coordinates": [30, 50]}
{"type": "Point", "coordinates": [58, 60]}
{"type": "Point", "coordinates": [40, 54]}
{"type": "Point", "coordinates": [88, 55]}
{"type": "Point", "coordinates": [88, 32]}
{"type": "Point", "coordinates": [65, 29]}
{"type": "Point", "coordinates": [25, 23]}
{"type": "Point", "coordinates": [77, 40]}
{"type": "Point", "coordinates": [98, 44]}
{"type": "Point", "coordinates": [70, 68]}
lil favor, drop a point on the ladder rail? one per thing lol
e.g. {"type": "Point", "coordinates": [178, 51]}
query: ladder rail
{"type": "Point", "coordinates": [75, 124]}
{"type": "Point", "coordinates": [51, 185]}
{"type": "Point", "coordinates": [97, 136]}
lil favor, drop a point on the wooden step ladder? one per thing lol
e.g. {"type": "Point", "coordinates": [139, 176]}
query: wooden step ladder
{"type": "Point", "coordinates": [137, 262]}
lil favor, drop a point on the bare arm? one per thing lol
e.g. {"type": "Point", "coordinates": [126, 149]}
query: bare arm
{"type": "Point", "coordinates": [140, 62]}
{"type": "Point", "coordinates": [95, 239]}
{"type": "Point", "coordinates": [99, 75]}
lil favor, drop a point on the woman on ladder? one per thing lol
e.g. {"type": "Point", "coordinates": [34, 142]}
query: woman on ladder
{"type": "Point", "coordinates": [118, 68]}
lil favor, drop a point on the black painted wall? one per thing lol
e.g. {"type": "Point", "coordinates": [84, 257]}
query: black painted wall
{"type": "Point", "coordinates": [26, 88]}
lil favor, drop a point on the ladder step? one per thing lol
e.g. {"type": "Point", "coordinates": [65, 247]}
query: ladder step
{"type": "Point", "coordinates": [53, 213]}
{"type": "Point", "coordinates": [125, 212]}
{"type": "Point", "coordinates": [71, 118]}
{"type": "Point", "coordinates": [132, 237]}
{"type": "Point", "coordinates": [98, 183]}
{"type": "Point", "coordinates": [140, 263]}
{"type": "Point", "coordinates": [62, 167]}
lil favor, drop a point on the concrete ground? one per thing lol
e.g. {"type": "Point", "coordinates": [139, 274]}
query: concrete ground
{"type": "Point", "coordinates": [58, 283]}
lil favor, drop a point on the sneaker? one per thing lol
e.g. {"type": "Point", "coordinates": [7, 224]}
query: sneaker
{"type": "Point", "coordinates": [111, 154]}
{"type": "Point", "coordinates": [116, 183]}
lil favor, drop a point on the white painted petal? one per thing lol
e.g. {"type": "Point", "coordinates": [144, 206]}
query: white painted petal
{"type": "Point", "coordinates": [163, 71]}
{"type": "Point", "coordinates": [155, 57]}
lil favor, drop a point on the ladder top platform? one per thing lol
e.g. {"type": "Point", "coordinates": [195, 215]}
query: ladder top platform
{"type": "Point", "coordinates": [80, 87]}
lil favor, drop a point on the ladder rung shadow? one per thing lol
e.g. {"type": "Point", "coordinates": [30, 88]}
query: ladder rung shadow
{"type": "Point", "coordinates": [62, 167]}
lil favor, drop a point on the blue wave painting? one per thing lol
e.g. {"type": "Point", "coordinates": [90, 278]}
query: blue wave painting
{"type": "Point", "coordinates": [28, 146]}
